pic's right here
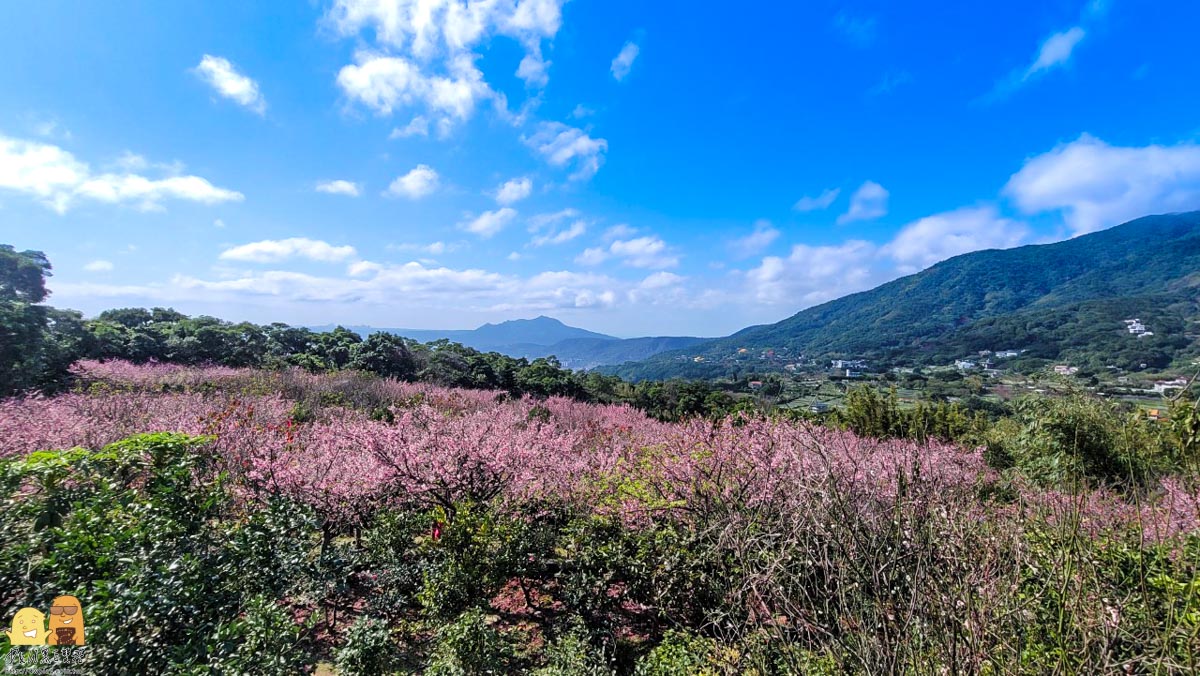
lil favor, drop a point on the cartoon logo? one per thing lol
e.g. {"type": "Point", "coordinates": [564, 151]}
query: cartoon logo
{"type": "Point", "coordinates": [66, 621]}
{"type": "Point", "coordinates": [28, 628]}
{"type": "Point", "coordinates": [66, 624]}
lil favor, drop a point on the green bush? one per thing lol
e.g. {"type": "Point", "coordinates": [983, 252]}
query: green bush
{"type": "Point", "coordinates": [680, 653]}
{"type": "Point", "coordinates": [470, 646]}
{"type": "Point", "coordinates": [264, 640]}
{"type": "Point", "coordinates": [142, 533]}
{"type": "Point", "coordinates": [369, 649]}
{"type": "Point", "coordinates": [574, 655]}
{"type": "Point", "coordinates": [1067, 440]}
{"type": "Point", "coordinates": [392, 551]}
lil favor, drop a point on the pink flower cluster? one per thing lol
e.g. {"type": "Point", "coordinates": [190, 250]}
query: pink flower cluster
{"type": "Point", "coordinates": [1172, 509]}
{"type": "Point", "coordinates": [154, 375]}
{"type": "Point", "coordinates": [443, 446]}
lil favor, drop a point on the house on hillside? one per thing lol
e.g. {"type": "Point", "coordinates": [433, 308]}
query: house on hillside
{"type": "Point", "coordinates": [964, 364]}
{"type": "Point", "coordinates": [819, 407]}
{"type": "Point", "coordinates": [1137, 328]}
{"type": "Point", "coordinates": [1164, 386]}
{"type": "Point", "coordinates": [1065, 370]}
{"type": "Point", "coordinates": [756, 384]}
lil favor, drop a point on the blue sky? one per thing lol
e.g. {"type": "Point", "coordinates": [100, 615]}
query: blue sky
{"type": "Point", "coordinates": [630, 167]}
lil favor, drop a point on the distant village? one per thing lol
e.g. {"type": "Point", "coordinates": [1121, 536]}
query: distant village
{"type": "Point", "coordinates": [817, 384]}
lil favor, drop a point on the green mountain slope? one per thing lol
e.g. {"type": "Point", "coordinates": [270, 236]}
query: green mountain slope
{"type": "Point", "coordinates": [927, 316]}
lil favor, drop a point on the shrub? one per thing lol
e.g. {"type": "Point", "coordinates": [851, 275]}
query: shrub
{"type": "Point", "coordinates": [1067, 440]}
{"type": "Point", "coordinates": [680, 653]}
{"type": "Point", "coordinates": [137, 531]}
{"type": "Point", "coordinates": [264, 640]}
{"type": "Point", "coordinates": [369, 649]}
{"type": "Point", "coordinates": [470, 646]}
{"type": "Point", "coordinates": [573, 655]}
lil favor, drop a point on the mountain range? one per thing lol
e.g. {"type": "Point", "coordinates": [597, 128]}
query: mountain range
{"type": "Point", "coordinates": [543, 336]}
{"type": "Point", "coordinates": [1066, 300]}
{"type": "Point", "coordinates": [1063, 301]}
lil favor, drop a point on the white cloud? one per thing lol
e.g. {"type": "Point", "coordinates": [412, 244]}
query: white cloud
{"type": "Point", "coordinates": [592, 256]}
{"type": "Point", "coordinates": [643, 252]}
{"type": "Point", "coordinates": [273, 251]}
{"type": "Point", "coordinates": [935, 238]}
{"type": "Point", "coordinates": [429, 29]}
{"type": "Point", "coordinates": [433, 249]}
{"type": "Point", "coordinates": [418, 126]}
{"type": "Point", "coordinates": [220, 74]}
{"type": "Point", "coordinates": [50, 128]}
{"type": "Point", "coordinates": [513, 191]}
{"type": "Point", "coordinates": [99, 266]}
{"type": "Point", "coordinates": [339, 187]}
{"type": "Point", "coordinates": [660, 280]}
{"type": "Point", "coordinates": [418, 183]}
{"type": "Point", "coordinates": [218, 223]}
{"type": "Point", "coordinates": [534, 70]}
{"type": "Point", "coordinates": [660, 288]}
{"type": "Point", "coordinates": [427, 51]}
{"type": "Point", "coordinates": [413, 281]}
{"type": "Point", "coordinates": [149, 193]}
{"type": "Point", "coordinates": [561, 145]}
{"type": "Point", "coordinates": [569, 289]}
{"type": "Point", "coordinates": [1097, 185]}
{"type": "Point", "coordinates": [1055, 51]}
{"type": "Point", "coordinates": [623, 62]}
{"type": "Point", "coordinates": [867, 203]}
{"type": "Point", "coordinates": [552, 229]}
{"type": "Point", "coordinates": [53, 176]}
{"type": "Point", "coordinates": [387, 286]}
{"type": "Point", "coordinates": [581, 111]}
{"type": "Point", "coordinates": [619, 231]}
{"type": "Point", "coordinates": [383, 83]}
{"type": "Point", "coordinates": [542, 220]}
{"type": "Point", "coordinates": [561, 236]}
{"type": "Point", "coordinates": [363, 268]}
{"type": "Point", "coordinates": [814, 274]}
{"type": "Point", "coordinates": [130, 162]}
{"type": "Point", "coordinates": [489, 223]}
{"type": "Point", "coordinates": [755, 242]}
{"type": "Point", "coordinates": [817, 203]}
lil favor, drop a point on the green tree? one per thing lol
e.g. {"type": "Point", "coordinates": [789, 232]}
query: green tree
{"type": "Point", "coordinates": [336, 346]}
{"type": "Point", "coordinates": [24, 337]}
{"type": "Point", "coordinates": [384, 354]}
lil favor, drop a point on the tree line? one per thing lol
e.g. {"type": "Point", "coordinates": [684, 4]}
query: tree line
{"type": "Point", "coordinates": [38, 344]}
